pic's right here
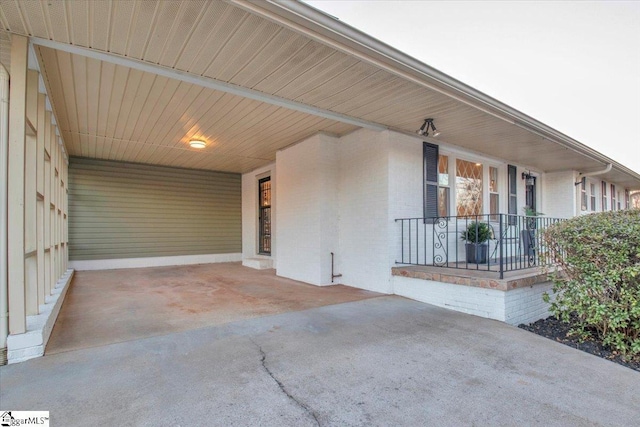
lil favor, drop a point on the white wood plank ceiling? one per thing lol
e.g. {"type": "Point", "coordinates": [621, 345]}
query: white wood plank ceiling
{"type": "Point", "coordinates": [114, 112]}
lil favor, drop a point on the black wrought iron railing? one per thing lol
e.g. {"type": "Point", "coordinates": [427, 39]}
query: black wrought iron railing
{"type": "Point", "coordinates": [493, 242]}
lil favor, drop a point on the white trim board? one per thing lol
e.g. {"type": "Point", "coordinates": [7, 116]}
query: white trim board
{"type": "Point", "coordinates": [112, 264]}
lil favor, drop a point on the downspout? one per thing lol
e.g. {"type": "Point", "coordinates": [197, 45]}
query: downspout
{"type": "Point", "coordinates": [600, 172]}
{"type": "Point", "coordinates": [4, 146]}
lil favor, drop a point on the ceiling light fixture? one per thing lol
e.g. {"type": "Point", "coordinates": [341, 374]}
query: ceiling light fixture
{"type": "Point", "coordinates": [196, 143]}
{"type": "Point", "coordinates": [424, 129]}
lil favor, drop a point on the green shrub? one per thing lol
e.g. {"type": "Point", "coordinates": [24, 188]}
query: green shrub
{"type": "Point", "coordinates": [597, 282]}
{"type": "Point", "coordinates": [476, 232]}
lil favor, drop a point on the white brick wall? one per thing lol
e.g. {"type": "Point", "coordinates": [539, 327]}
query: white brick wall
{"type": "Point", "coordinates": [524, 305]}
{"type": "Point", "coordinates": [405, 188]}
{"type": "Point", "coordinates": [307, 211]}
{"type": "Point", "coordinates": [342, 195]}
{"type": "Point", "coordinates": [488, 303]}
{"type": "Point", "coordinates": [363, 257]}
{"type": "Point", "coordinates": [559, 195]}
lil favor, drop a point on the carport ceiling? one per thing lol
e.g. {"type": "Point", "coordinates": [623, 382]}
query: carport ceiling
{"type": "Point", "coordinates": [119, 112]}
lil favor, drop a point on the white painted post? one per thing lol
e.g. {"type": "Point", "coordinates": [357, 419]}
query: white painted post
{"type": "Point", "coordinates": [4, 143]}
{"type": "Point", "coordinates": [47, 204]}
{"type": "Point", "coordinates": [41, 128]}
{"type": "Point", "coordinates": [30, 205]}
{"type": "Point", "coordinates": [15, 179]}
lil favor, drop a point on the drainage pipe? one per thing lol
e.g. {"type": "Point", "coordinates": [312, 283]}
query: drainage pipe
{"type": "Point", "coordinates": [333, 276]}
{"type": "Point", "coordinates": [4, 146]}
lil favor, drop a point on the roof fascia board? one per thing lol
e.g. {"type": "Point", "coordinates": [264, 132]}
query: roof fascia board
{"type": "Point", "coordinates": [205, 82]}
{"type": "Point", "coordinates": [328, 30]}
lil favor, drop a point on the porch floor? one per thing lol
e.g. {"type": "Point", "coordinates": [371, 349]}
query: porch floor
{"type": "Point", "coordinates": [109, 306]}
{"type": "Point", "coordinates": [481, 278]}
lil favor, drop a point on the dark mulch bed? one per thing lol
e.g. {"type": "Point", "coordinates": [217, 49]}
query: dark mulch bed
{"type": "Point", "coordinates": [557, 330]}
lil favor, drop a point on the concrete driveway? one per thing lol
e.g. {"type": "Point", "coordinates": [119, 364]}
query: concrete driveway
{"type": "Point", "coordinates": [109, 306]}
{"type": "Point", "coordinates": [383, 361]}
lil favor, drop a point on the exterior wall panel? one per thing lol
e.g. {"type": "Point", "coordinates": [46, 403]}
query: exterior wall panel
{"type": "Point", "coordinates": [126, 210]}
{"type": "Point", "coordinates": [307, 184]}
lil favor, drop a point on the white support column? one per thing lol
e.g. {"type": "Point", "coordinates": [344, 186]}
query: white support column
{"type": "Point", "coordinates": [4, 144]}
{"type": "Point", "coordinates": [65, 219]}
{"type": "Point", "coordinates": [30, 163]}
{"type": "Point", "coordinates": [48, 278]}
{"type": "Point", "coordinates": [17, 136]}
{"type": "Point", "coordinates": [52, 208]}
{"type": "Point", "coordinates": [41, 128]}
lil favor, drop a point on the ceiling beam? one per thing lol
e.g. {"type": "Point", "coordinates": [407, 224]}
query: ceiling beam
{"type": "Point", "coordinates": [206, 82]}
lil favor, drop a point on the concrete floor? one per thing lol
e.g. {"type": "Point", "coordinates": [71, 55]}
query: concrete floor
{"type": "Point", "coordinates": [105, 307]}
{"type": "Point", "coordinates": [384, 361]}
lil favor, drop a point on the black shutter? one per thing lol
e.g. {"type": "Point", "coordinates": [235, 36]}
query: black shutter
{"type": "Point", "coordinates": [430, 156]}
{"type": "Point", "coordinates": [513, 194]}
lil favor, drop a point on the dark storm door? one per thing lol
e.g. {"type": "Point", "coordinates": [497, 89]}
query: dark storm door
{"type": "Point", "coordinates": [530, 194]}
{"type": "Point", "coordinates": [264, 216]}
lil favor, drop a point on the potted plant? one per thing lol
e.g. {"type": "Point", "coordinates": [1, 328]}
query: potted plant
{"type": "Point", "coordinates": [476, 235]}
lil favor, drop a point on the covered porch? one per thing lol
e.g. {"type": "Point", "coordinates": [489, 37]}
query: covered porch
{"type": "Point", "coordinates": [493, 244]}
{"type": "Point", "coordinates": [160, 130]}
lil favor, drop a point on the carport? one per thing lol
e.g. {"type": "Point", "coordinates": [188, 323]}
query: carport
{"type": "Point", "coordinates": [162, 134]}
{"type": "Point", "coordinates": [110, 306]}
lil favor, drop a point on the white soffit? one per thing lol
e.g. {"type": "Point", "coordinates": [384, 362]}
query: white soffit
{"type": "Point", "coordinates": [274, 50]}
{"type": "Point", "coordinates": [113, 112]}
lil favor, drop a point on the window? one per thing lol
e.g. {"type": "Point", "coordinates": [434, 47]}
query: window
{"type": "Point", "coordinates": [613, 197]}
{"type": "Point", "coordinates": [494, 196]}
{"type": "Point", "coordinates": [604, 196]}
{"type": "Point", "coordinates": [443, 186]}
{"type": "Point", "coordinates": [513, 194]}
{"type": "Point", "coordinates": [619, 200]}
{"type": "Point", "coordinates": [583, 193]}
{"type": "Point", "coordinates": [468, 188]}
{"type": "Point", "coordinates": [593, 196]}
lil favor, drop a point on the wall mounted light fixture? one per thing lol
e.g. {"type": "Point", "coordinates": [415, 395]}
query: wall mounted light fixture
{"type": "Point", "coordinates": [424, 129]}
{"type": "Point", "coordinates": [529, 179]}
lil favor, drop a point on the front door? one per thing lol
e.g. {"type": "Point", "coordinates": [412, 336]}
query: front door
{"type": "Point", "coordinates": [264, 216]}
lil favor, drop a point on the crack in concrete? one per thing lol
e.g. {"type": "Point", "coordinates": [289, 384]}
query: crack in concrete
{"type": "Point", "coordinates": [263, 358]}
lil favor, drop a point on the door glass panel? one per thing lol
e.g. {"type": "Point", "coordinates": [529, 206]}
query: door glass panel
{"type": "Point", "coordinates": [264, 216]}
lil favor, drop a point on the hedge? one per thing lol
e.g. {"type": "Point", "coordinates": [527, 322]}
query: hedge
{"type": "Point", "coordinates": [597, 280]}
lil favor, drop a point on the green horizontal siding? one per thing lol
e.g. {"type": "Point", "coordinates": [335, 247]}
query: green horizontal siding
{"type": "Point", "coordinates": [126, 210]}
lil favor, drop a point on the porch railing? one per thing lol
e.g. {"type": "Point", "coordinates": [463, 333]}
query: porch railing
{"type": "Point", "coordinates": [513, 243]}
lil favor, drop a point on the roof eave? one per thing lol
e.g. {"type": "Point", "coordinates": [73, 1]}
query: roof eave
{"type": "Point", "coordinates": [327, 29]}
